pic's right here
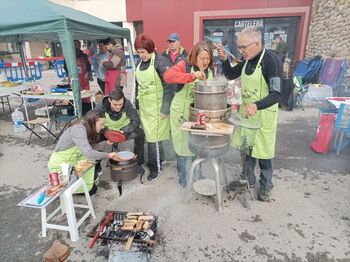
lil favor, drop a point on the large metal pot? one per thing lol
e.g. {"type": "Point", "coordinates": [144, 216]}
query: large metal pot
{"type": "Point", "coordinates": [123, 171]}
{"type": "Point", "coordinates": [211, 116]}
{"type": "Point", "coordinates": [209, 146]}
{"type": "Point", "coordinates": [210, 95]}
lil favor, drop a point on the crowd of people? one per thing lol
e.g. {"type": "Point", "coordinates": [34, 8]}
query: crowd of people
{"type": "Point", "coordinates": [163, 96]}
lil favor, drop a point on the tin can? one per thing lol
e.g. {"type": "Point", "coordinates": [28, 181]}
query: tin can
{"type": "Point", "coordinates": [54, 180]}
{"type": "Point", "coordinates": [201, 118]}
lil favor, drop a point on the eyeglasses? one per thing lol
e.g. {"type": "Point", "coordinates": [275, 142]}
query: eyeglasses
{"type": "Point", "coordinates": [171, 41]}
{"type": "Point", "coordinates": [244, 47]}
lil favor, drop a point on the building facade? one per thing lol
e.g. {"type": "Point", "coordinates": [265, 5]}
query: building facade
{"type": "Point", "coordinates": [220, 21]}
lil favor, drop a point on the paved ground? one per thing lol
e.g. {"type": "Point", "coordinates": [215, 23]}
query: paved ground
{"type": "Point", "coordinates": [308, 218]}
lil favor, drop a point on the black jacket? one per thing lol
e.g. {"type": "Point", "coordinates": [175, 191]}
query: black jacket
{"type": "Point", "coordinates": [128, 108]}
{"type": "Point", "coordinates": [173, 88]}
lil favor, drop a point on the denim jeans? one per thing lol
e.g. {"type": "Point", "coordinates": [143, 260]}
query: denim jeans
{"type": "Point", "coordinates": [265, 175]}
{"type": "Point", "coordinates": [183, 165]}
{"type": "Point", "coordinates": [155, 159]}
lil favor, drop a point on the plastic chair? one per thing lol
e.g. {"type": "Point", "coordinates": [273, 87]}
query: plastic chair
{"type": "Point", "coordinates": [40, 121]}
{"type": "Point", "coordinates": [60, 119]}
{"type": "Point", "coordinates": [299, 92]}
{"type": "Point", "coordinates": [342, 123]}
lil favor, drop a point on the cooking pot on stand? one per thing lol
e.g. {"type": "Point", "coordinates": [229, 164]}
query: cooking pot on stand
{"type": "Point", "coordinates": [123, 171]}
{"type": "Point", "coordinates": [210, 95]}
{"type": "Point", "coordinates": [211, 116]}
{"type": "Point", "coordinates": [209, 145]}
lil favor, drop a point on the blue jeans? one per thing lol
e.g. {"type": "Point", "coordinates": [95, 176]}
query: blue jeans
{"type": "Point", "coordinates": [183, 165]}
{"type": "Point", "coordinates": [265, 175]}
{"type": "Point", "coordinates": [155, 159]}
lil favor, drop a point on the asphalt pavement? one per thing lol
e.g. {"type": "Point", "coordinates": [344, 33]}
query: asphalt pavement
{"type": "Point", "coordinates": [307, 219]}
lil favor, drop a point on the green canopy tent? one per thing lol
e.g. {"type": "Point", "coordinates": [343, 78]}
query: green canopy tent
{"type": "Point", "coordinates": [36, 20]}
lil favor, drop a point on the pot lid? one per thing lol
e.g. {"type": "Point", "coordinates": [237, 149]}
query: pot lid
{"type": "Point", "coordinates": [115, 136]}
{"type": "Point", "coordinates": [126, 155]}
{"type": "Point", "coordinates": [215, 82]}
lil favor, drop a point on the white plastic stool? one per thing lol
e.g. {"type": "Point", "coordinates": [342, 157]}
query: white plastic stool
{"type": "Point", "coordinates": [68, 207]}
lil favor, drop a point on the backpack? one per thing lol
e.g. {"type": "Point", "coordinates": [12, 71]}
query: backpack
{"type": "Point", "coordinates": [309, 70]}
{"type": "Point", "coordinates": [323, 134]}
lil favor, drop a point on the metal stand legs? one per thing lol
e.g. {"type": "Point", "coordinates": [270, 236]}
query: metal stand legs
{"type": "Point", "coordinates": [216, 162]}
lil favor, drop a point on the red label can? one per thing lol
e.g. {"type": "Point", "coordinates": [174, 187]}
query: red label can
{"type": "Point", "coordinates": [201, 118]}
{"type": "Point", "coordinates": [54, 181]}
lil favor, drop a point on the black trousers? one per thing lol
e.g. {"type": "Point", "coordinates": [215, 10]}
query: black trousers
{"type": "Point", "coordinates": [266, 168]}
{"type": "Point", "coordinates": [287, 93]}
{"type": "Point", "coordinates": [155, 156]}
{"type": "Point", "coordinates": [139, 144]}
{"type": "Point", "coordinates": [101, 84]}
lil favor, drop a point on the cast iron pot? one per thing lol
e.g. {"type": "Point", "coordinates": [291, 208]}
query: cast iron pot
{"type": "Point", "coordinates": [123, 171]}
{"type": "Point", "coordinates": [210, 95]}
{"type": "Point", "coordinates": [211, 116]}
{"type": "Point", "coordinates": [209, 146]}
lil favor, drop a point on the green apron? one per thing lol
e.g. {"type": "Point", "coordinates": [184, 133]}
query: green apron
{"type": "Point", "coordinates": [180, 108]}
{"type": "Point", "coordinates": [71, 156]}
{"type": "Point", "coordinates": [254, 88]}
{"type": "Point", "coordinates": [116, 125]}
{"type": "Point", "coordinates": [150, 96]}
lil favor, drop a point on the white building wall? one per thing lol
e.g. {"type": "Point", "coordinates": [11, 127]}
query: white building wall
{"type": "Point", "coordinates": [109, 10]}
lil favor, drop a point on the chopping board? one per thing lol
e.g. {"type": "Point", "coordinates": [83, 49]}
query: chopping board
{"type": "Point", "coordinates": [211, 128]}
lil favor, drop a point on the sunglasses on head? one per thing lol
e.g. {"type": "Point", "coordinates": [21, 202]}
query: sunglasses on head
{"type": "Point", "coordinates": [171, 41]}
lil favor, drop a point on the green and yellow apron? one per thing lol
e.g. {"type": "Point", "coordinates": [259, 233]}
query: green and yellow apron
{"type": "Point", "coordinates": [180, 108]}
{"type": "Point", "coordinates": [71, 156]}
{"type": "Point", "coordinates": [150, 96]}
{"type": "Point", "coordinates": [116, 125]}
{"type": "Point", "coordinates": [263, 140]}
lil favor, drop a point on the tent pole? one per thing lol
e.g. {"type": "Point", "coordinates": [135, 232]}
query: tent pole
{"type": "Point", "coordinates": [133, 85]}
{"type": "Point", "coordinates": [23, 57]}
{"type": "Point", "coordinates": [70, 58]}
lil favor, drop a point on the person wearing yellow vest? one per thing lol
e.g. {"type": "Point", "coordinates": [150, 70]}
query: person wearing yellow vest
{"type": "Point", "coordinates": [48, 54]}
{"type": "Point", "coordinates": [80, 142]}
{"type": "Point", "coordinates": [153, 97]}
{"type": "Point", "coordinates": [261, 74]}
{"type": "Point", "coordinates": [122, 116]}
{"type": "Point", "coordinates": [186, 72]}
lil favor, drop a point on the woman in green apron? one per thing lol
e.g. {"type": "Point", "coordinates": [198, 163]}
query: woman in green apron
{"type": "Point", "coordinates": [261, 74]}
{"type": "Point", "coordinates": [186, 72]}
{"type": "Point", "coordinates": [76, 144]}
{"type": "Point", "coordinates": [153, 96]}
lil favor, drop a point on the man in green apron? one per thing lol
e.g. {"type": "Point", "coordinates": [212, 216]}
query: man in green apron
{"type": "Point", "coordinates": [122, 116]}
{"type": "Point", "coordinates": [261, 74]}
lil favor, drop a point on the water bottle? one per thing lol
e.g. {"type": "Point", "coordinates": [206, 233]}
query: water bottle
{"type": "Point", "coordinates": [17, 118]}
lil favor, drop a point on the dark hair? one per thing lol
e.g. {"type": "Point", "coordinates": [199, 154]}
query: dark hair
{"type": "Point", "coordinates": [145, 42]}
{"type": "Point", "coordinates": [196, 49]}
{"type": "Point", "coordinates": [116, 94]}
{"type": "Point", "coordinates": [110, 41]}
{"type": "Point", "coordinates": [279, 37]}
{"type": "Point", "coordinates": [89, 121]}
{"type": "Point", "coordinates": [225, 42]}
{"type": "Point", "coordinates": [102, 41]}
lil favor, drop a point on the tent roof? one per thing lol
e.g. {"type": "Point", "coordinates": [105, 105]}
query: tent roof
{"type": "Point", "coordinates": [23, 20]}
